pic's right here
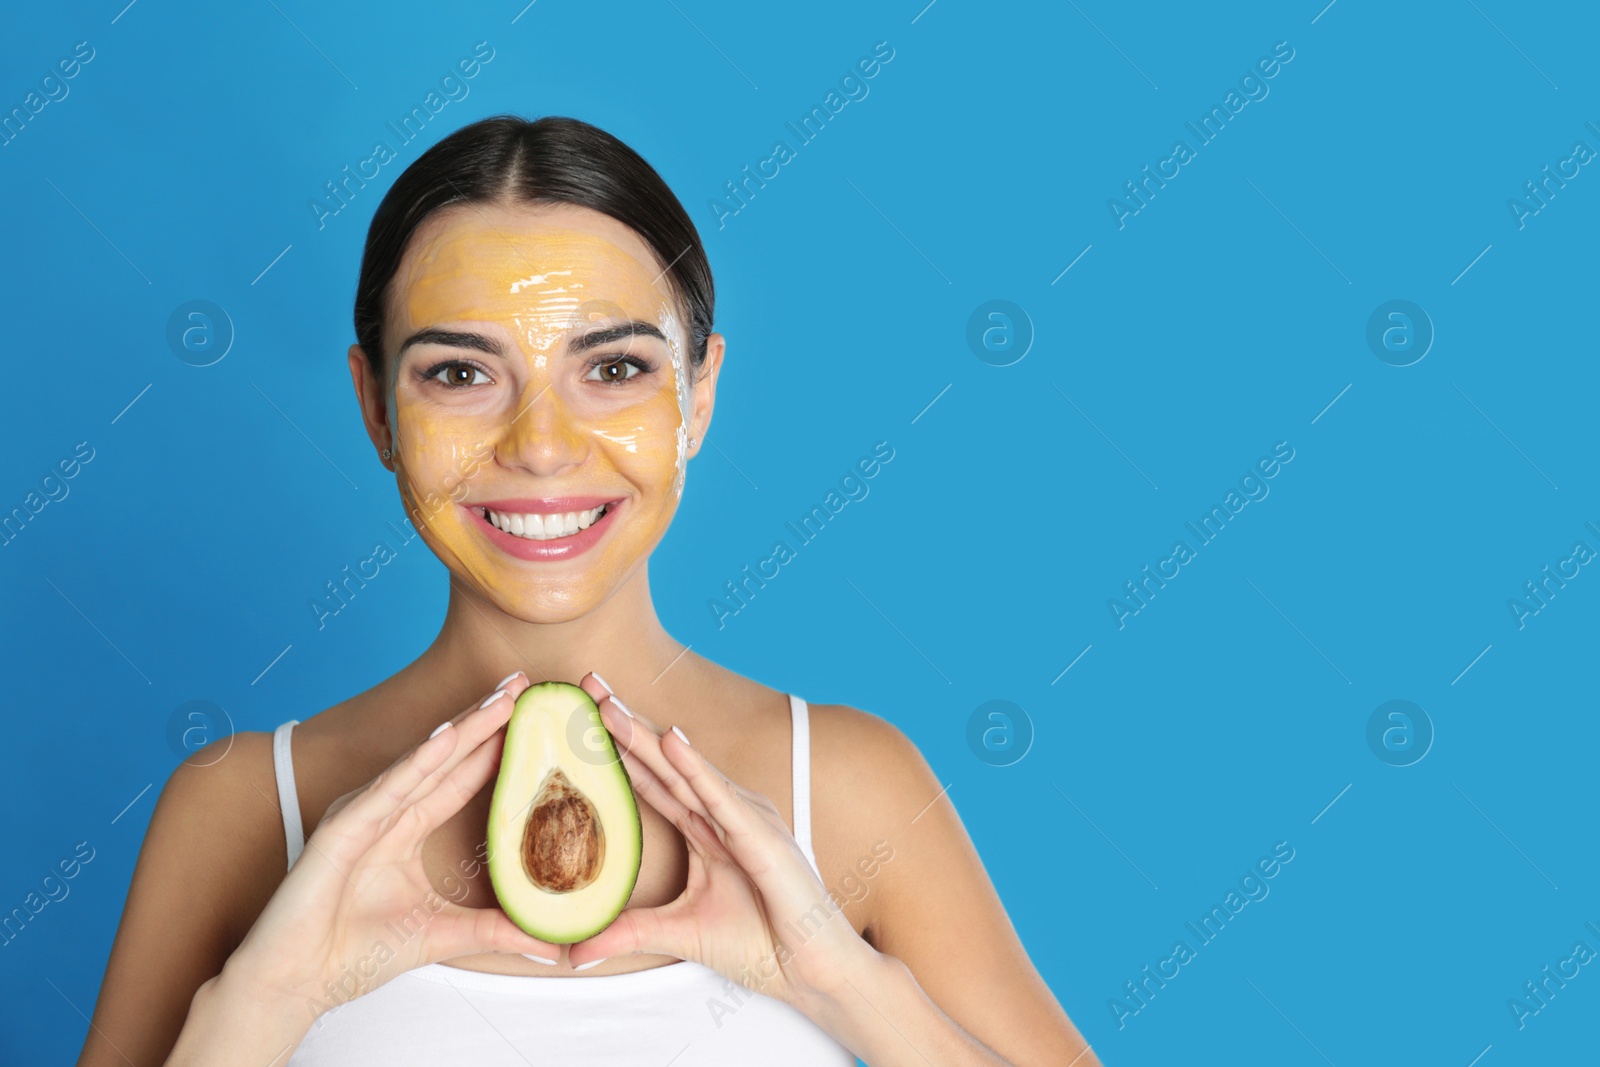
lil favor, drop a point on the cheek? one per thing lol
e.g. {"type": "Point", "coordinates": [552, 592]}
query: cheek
{"type": "Point", "coordinates": [644, 441]}
{"type": "Point", "coordinates": [640, 445]}
{"type": "Point", "coordinates": [436, 461]}
{"type": "Point", "coordinates": [436, 451]}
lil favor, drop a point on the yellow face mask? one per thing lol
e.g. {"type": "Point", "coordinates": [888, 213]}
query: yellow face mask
{"type": "Point", "coordinates": [541, 401]}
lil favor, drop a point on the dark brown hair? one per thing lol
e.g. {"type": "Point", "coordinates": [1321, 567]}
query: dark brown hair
{"type": "Point", "coordinates": [548, 160]}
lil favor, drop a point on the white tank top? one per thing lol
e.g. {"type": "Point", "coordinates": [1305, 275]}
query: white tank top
{"type": "Point", "coordinates": [681, 1014]}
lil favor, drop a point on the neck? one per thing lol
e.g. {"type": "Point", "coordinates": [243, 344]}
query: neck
{"type": "Point", "coordinates": [622, 640]}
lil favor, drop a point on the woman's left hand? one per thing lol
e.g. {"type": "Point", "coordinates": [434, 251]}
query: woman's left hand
{"type": "Point", "coordinates": [753, 909]}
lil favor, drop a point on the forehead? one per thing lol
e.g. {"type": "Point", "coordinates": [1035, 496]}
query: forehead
{"type": "Point", "coordinates": [489, 261]}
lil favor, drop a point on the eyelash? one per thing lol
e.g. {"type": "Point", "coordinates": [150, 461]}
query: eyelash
{"type": "Point", "coordinates": [432, 373]}
{"type": "Point", "coordinates": [644, 366]}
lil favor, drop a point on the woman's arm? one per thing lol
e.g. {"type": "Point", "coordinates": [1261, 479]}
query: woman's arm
{"type": "Point", "coordinates": [211, 858]}
{"type": "Point", "coordinates": [366, 874]}
{"type": "Point", "coordinates": [931, 906]}
{"type": "Point", "coordinates": [755, 911]}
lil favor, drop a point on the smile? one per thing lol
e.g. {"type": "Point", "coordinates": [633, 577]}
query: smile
{"type": "Point", "coordinates": [543, 527]}
{"type": "Point", "coordinates": [548, 529]}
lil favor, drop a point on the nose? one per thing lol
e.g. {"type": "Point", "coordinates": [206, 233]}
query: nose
{"type": "Point", "coordinates": [542, 437]}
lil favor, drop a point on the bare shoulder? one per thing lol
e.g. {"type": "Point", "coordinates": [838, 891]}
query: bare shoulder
{"type": "Point", "coordinates": [916, 886]}
{"type": "Point", "coordinates": [211, 858]}
{"type": "Point", "coordinates": [870, 785]}
{"type": "Point", "coordinates": [219, 812]}
{"type": "Point", "coordinates": [865, 764]}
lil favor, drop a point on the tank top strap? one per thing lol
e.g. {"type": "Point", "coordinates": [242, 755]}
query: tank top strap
{"type": "Point", "coordinates": [800, 717]}
{"type": "Point", "coordinates": [288, 797]}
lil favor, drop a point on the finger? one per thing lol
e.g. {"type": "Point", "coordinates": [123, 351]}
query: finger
{"type": "Point", "coordinates": [416, 774]}
{"type": "Point", "coordinates": [645, 741]}
{"type": "Point", "coordinates": [758, 846]}
{"type": "Point", "coordinates": [339, 803]}
{"type": "Point", "coordinates": [644, 744]}
{"type": "Point", "coordinates": [462, 931]}
{"type": "Point", "coordinates": [367, 815]}
{"type": "Point", "coordinates": [668, 930]}
{"type": "Point", "coordinates": [700, 836]}
{"type": "Point", "coordinates": [476, 725]}
{"type": "Point", "coordinates": [591, 684]}
{"type": "Point", "coordinates": [639, 735]}
{"type": "Point", "coordinates": [597, 690]}
{"type": "Point", "coordinates": [464, 781]}
{"type": "Point", "coordinates": [618, 719]}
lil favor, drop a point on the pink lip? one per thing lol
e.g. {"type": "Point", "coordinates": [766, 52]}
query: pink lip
{"type": "Point", "coordinates": [560, 548]}
{"type": "Point", "coordinates": [544, 505]}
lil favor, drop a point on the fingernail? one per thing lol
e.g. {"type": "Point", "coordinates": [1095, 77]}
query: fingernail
{"type": "Point", "coordinates": [621, 706]}
{"type": "Point", "coordinates": [496, 695]}
{"type": "Point", "coordinates": [679, 732]}
{"type": "Point", "coordinates": [441, 728]}
{"type": "Point", "coordinates": [602, 681]}
{"type": "Point", "coordinates": [502, 683]}
{"type": "Point", "coordinates": [591, 963]}
{"type": "Point", "coordinates": [539, 959]}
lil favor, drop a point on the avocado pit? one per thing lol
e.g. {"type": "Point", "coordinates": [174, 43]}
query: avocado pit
{"type": "Point", "coordinates": [564, 844]}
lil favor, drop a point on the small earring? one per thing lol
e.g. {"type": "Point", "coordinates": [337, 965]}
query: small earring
{"type": "Point", "coordinates": [693, 441]}
{"type": "Point", "coordinates": [386, 454]}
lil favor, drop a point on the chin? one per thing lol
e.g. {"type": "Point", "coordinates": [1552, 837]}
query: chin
{"type": "Point", "coordinates": [547, 604]}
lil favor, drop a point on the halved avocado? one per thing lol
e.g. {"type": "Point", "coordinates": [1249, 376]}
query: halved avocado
{"type": "Point", "coordinates": [564, 838]}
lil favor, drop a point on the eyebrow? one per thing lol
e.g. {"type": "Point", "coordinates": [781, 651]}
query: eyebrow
{"type": "Point", "coordinates": [433, 335]}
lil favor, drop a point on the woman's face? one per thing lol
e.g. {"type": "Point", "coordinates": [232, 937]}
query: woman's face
{"type": "Point", "coordinates": [541, 402]}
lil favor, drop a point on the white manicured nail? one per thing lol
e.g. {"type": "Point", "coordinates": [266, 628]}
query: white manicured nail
{"type": "Point", "coordinates": [496, 695]}
{"type": "Point", "coordinates": [621, 706]}
{"type": "Point", "coordinates": [679, 732]}
{"type": "Point", "coordinates": [603, 682]}
{"type": "Point", "coordinates": [441, 728]}
{"type": "Point", "coordinates": [539, 959]}
{"type": "Point", "coordinates": [502, 683]}
{"type": "Point", "coordinates": [591, 963]}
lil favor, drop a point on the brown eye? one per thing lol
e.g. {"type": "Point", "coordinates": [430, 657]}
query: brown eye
{"type": "Point", "coordinates": [457, 375]}
{"type": "Point", "coordinates": [613, 371]}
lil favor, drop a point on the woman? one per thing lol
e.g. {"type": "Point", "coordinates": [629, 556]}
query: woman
{"type": "Point", "coordinates": [535, 362]}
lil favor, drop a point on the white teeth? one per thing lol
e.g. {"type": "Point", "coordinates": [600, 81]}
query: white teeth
{"type": "Point", "coordinates": [544, 527]}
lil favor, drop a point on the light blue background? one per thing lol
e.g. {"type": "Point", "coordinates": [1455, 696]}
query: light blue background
{"type": "Point", "coordinates": [1223, 718]}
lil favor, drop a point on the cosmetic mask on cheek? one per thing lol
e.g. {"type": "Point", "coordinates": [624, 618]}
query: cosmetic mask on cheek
{"type": "Point", "coordinates": [546, 423]}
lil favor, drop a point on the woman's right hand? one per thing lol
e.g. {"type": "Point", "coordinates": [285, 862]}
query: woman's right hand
{"type": "Point", "coordinates": [357, 908]}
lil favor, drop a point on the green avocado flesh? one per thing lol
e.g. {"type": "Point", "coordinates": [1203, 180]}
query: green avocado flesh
{"type": "Point", "coordinates": [564, 836]}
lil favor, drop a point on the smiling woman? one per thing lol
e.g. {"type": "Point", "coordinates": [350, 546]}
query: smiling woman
{"type": "Point", "coordinates": [535, 363]}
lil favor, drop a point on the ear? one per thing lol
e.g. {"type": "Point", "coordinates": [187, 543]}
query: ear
{"type": "Point", "coordinates": [374, 404]}
{"type": "Point", "coordinates": [705, 392]}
